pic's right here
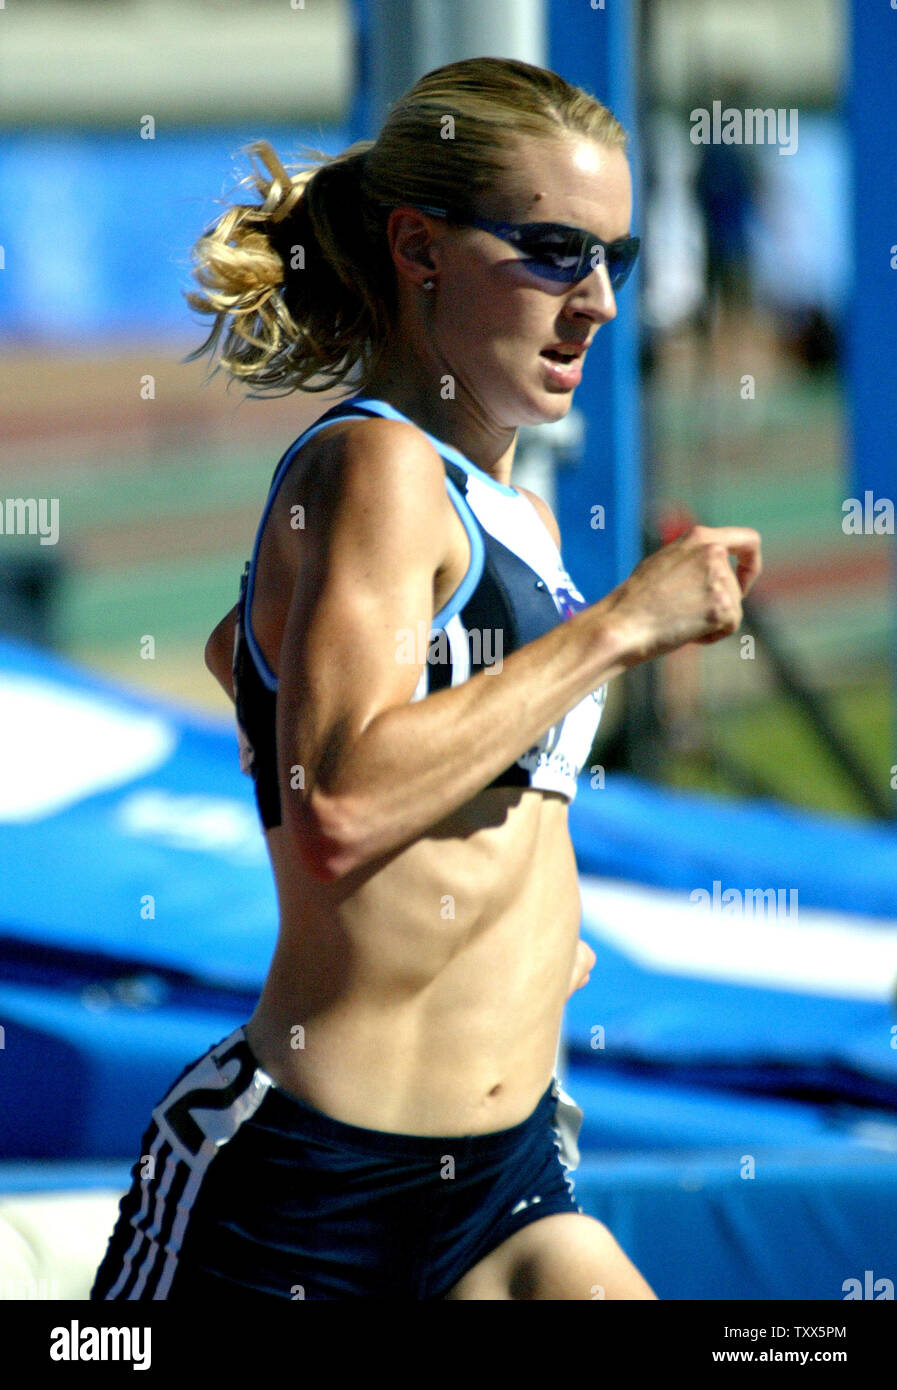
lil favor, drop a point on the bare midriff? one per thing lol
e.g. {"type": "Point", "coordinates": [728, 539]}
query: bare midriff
{"type": "Point", "coordinates": [425, 997]}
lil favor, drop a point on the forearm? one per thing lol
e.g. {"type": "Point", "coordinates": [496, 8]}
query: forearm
{"type": "Point", "coordinates": [415, 764]}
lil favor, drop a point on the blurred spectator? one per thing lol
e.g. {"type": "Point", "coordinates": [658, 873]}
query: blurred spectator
{"type": "Point", "coordinates": [726, 188]}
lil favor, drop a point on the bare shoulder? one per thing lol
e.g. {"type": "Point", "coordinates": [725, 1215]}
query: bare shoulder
{"type": "Point", "coordinates": [378, 481]}
{"type": "Point", "coordinates": [545, 512]}
{"type": "Point", "coordinates": [374, 454]}
{"type": "Point", "coordinates": [373, 505]}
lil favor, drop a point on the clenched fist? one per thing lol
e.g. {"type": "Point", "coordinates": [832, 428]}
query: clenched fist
{"type": "Point", "coordinates": [687, 591]}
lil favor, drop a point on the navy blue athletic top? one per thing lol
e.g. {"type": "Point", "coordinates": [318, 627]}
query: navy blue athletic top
{"type": "Point", "coordinates": [515, 590]}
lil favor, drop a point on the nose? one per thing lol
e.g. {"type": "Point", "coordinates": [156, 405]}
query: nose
{"type": "Point", "coordinates": [594, 296]}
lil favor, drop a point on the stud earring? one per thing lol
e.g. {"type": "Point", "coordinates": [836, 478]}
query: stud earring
{"type": "Point", "coordinates": [429, 285]}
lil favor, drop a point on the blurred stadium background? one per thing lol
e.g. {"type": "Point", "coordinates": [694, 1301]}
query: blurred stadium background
{"type": "Point", "coordinates": [767, 768]}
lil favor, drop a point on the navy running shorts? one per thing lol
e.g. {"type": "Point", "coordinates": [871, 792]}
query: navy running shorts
{"type": "Point", "coordinates": [242, 1189]}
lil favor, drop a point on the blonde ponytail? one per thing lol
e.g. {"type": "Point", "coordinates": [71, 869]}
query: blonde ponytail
{"type": "Point", "coordinates": [281, 319]}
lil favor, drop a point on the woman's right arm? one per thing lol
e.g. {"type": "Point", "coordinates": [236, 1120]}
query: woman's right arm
{"type": "Point", "coordinates": [377, 770]}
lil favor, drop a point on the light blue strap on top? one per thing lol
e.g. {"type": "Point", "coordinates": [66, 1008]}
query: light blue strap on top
{"type": "Point", "coordinates": [477, 549]}
{"type": "Point", "coordinates": [474, 535]}
{"type": "Point", "coordinates": [265, 673]}
{"type": "Point", "coordinates": [448, 451]}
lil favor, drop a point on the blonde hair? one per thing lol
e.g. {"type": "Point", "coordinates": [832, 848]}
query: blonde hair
{"type": "Point", "coordinates": [302, 286]}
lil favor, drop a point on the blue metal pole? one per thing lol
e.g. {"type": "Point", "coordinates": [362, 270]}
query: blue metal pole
{"type": "Point", "coordinates": [872, 318]}
{"type": "Point", "coordinates": [594, 49]}
{"type": "Point", "coordinates": [871, 338]}
{"type": "Point", "coordinates": [400, 40]}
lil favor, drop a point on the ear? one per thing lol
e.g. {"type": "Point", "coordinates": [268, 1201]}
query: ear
{"type": "Point", "coordinates": [413, 244]}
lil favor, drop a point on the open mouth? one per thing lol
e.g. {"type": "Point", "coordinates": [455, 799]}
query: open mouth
{"type": "Point", "coordinates": [556, 356]}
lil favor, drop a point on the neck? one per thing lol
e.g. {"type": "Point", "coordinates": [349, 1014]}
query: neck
{"type": "Point", "coordinates": [459, 422]}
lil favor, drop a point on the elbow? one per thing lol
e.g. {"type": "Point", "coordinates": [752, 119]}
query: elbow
{"type": "Point", "coordinates": [327, 837]}
{"type": "Point", "coordinates": [323, 861]}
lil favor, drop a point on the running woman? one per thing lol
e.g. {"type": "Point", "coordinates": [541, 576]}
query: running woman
{"type": "Point", "coordinates": [418, 682]}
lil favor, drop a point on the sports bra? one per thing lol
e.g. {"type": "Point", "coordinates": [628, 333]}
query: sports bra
{"type": "Point", "coordinates": [516, 589]}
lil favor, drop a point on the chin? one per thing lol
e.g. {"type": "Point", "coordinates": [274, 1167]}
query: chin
{"type": "Point", "coordinates": [545, 406]}
{"type": "Point", "coordinates": [531, 403]}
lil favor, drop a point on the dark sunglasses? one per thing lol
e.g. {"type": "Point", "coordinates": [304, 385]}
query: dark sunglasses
{"type": "Point", "coordinates": [551, 249]}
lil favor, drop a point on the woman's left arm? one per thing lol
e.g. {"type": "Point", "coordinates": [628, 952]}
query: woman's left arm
{"type": "Point", "coordinates": [219, 652]}
{"type": "Point", "coordinates": [585, 959]}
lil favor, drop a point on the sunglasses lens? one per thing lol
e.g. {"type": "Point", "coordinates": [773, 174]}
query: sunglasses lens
{"type": "Point", "coordinates": [568, 256]}
{"type": "Point", "coordinates": [556, 255]}
{"type": "Point", "coordinates": [621, 260]}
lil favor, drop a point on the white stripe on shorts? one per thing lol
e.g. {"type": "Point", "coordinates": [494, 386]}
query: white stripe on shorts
{"type": "Point", "coordinates": [217, 1125]}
